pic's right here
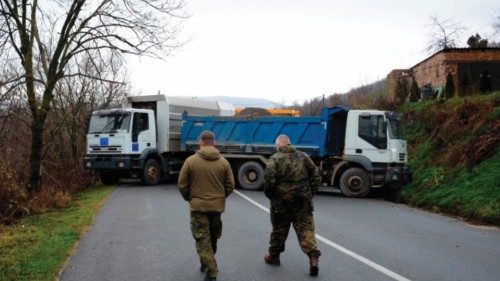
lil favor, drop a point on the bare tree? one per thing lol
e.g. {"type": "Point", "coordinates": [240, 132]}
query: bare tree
{"type": "Point", "coordinates": [494, 38]}
{"type": "Point", "coordinates": [443, 34]}
{"type": "Point", "coordinates": [39, 42]}
{"type": "Point", "coordinates": [77, 97]}
{"type": "Point", "coordinates": [496, 24]}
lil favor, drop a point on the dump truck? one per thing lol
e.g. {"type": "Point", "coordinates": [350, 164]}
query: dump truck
{"type": "Point", "coordinates": [354, 150]}
{"type": "Point", "coordinates": [142, 139]}
{"type": "Point", "coordinates": [151, 136]}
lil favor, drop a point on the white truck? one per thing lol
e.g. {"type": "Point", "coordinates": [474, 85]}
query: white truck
{"type": "Point", "coordinates": [142, 140]}
{"type": "Point", "coordinates": [355, 150]}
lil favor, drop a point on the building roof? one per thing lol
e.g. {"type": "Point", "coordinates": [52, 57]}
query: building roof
{"type": "Point", "coordinates": [458, 50]}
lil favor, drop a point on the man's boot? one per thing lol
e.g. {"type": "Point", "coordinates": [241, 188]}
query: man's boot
{"type": "Point", "coordinates": [313, 265]}
{"type": "Point", "coordinates": [273, 259]}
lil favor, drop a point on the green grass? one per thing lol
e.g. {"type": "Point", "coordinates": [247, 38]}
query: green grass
{"type": "Point", "coordinates": [494, 96]}
{"type": "Point", "coordinates": [469, 191]}
{"type": "Point", "coordinates": [37, 246]}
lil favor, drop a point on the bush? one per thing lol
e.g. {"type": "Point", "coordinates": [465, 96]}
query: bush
{"type": "Point", "coordinates": [415, 92]}
{"type": "Point", "coordinates": [13, 195]}
{"type": "Point", "coordinates": [401, 91]}
{"type": "Point", "coordinates": [62, 172]}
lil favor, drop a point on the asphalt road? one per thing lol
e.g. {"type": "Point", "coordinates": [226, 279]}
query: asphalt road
{"type": "Point", "coordinates": [142, 233]}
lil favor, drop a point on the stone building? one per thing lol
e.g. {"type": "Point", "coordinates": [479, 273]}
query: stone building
{"type": "Point", "coordinates": [470, 68]}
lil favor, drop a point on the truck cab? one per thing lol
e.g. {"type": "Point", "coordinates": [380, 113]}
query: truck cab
{"type": "Point", "coordinates": [125, 131]}
{"type": "Point", "coordinates": [142, 139]}
{"type": "Point", "coordinates": [374, 151]}
{"type": "Point", "coordinates": [116, 140]}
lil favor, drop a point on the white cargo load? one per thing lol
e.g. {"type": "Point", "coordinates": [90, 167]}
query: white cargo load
{"type": "Point", "coordinates": [169, 112]}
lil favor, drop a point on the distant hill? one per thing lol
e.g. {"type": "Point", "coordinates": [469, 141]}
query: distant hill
{"type": "Point", "coordinates": [244, 102]}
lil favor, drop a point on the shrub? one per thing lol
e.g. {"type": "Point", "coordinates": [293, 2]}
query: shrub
{"type": "Point", "coordinates": [401, 91]}
{"type": "Point", "coordinates": [13, 195]}
{"type": "Point", "coordinates": [415, 92]}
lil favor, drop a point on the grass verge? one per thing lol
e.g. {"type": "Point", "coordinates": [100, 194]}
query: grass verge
{"type": "Point", "coordinates": [473, 194]}
{"type": "Point", "coordinates": [454, 156]}
{"type": "Point", "coordinates": [37, 246]}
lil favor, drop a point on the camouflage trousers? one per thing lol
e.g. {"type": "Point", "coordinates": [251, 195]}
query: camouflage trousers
{"type": "Point", "coordinates": [206, 229]}
{"type": "Point", "coordinates": [284, 214]}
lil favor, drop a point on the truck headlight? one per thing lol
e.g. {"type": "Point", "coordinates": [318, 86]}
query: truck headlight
{"type": "Point", "coordinates": [121, 165]}
{"type": "Point", "coordinates": [88, 164]}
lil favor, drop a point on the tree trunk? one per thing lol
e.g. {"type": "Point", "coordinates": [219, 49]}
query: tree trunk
{"type": "Point", "coordinates": [36, 155]}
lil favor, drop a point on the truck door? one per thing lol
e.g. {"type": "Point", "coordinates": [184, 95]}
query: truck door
{"type": "Point", "coordinates": [142, 133]}
{"type": "Point", "coordinates": [372, 138]}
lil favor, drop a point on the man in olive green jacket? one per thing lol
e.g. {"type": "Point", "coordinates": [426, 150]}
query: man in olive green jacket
{"type": "Point", "coordinates": [205, 180]}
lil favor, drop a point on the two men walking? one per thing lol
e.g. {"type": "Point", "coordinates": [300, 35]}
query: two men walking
{"type": "Point", "coordinates": [291, 180]}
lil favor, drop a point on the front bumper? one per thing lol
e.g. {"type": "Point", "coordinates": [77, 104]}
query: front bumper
{"type": "Point", "coordinates": [398, 174]}
{"type": "Point", "coordinates": [107, 162]}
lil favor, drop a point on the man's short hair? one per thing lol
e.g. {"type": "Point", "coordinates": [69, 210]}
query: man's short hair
{"type": "Point", "coordinates": [283, 139]}
{"type": "Point", "coordinates": [207, 138]}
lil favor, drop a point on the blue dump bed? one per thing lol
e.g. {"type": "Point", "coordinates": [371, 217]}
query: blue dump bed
{"type": "Point", "coordinates": [257, 135]}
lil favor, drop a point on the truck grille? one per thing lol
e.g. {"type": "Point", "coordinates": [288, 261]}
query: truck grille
{"type": "Point", "coordinates": [402, 156]}
{"type": "Point", "coordinates": [108, 149]}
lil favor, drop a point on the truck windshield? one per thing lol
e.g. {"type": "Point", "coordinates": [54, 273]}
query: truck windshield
{"type": "Point", "coordinates": [395, 129]}
{"type": "Point", "coordinates": [109, 123]}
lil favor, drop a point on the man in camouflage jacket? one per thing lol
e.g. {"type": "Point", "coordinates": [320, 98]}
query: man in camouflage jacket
{"type": "Point", "coordinates": [291, 180]}
{"type": "Point", "coordinates": [206, 180]}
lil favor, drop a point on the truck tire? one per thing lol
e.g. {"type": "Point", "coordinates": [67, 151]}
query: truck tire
{"type": "Point", "coordinates": [251, 175]}
{"type": "Point", "coordinates": [151, 173]}
{"type": "Point", "coordinates": [108, 178]}
{"type": "Point", "coordinates": [355, 182]}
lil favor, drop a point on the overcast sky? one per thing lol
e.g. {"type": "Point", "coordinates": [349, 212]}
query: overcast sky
{"type": "Point", "coordinates": [286, 50]}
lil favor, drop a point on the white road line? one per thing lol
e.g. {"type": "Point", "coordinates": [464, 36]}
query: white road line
{"type": "Point", "coordinates": [350, 253]}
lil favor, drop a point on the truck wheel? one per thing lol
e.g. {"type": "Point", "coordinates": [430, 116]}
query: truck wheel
{"type": "Point", "coordinates": [355, 182]}
{"type": "Point", "coordinates": [251, 176]}
{"type": "Point", "coordinates": [151, 173]}
{"type": "Point", "coordinates": [108, 178]}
